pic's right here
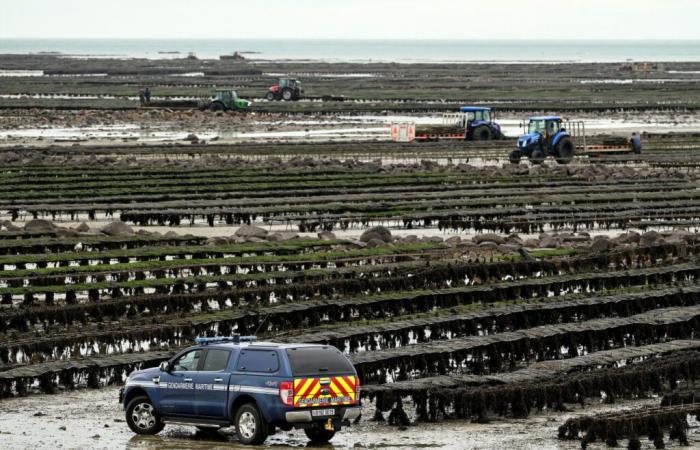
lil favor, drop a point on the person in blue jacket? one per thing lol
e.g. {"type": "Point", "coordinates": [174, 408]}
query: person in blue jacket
{"type": "Point", "coordinates": [636, 142]}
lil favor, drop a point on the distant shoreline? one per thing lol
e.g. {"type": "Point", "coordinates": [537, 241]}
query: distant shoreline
{"type": "Point", "coordinates": [364, 51]}
{"type": "Point", "coordinates": [175, 56]}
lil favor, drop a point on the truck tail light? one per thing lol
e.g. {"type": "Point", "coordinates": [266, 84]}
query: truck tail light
{"type": "Point", "coordinates": [287, 392]}
{"type": "Point", "coordinates": [357, 389]}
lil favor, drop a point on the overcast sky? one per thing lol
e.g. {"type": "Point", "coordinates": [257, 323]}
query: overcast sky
{"type": "Point", "coordinates": [353, 19]}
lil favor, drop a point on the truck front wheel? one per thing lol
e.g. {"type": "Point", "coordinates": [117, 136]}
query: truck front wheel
{"type": "Point", "coordinates": [319, 435]}
{"type": "Point", "coordinates": [142, 418]}
{"type": "Point", "coordinates": [251, 428]}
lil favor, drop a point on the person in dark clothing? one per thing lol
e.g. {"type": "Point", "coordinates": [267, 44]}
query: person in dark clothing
{"type": "Point", "coordinates": [142, 96]}
{"type": "Point", "coordinates": [147, 95]}
{"type": "Point", "coordinates": [636, 142]}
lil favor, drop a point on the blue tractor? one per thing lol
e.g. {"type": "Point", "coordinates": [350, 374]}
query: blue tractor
{"type": "Point", "coordinates": [478, 124]}
{"type": "Point", "coordinates": [545, 136]}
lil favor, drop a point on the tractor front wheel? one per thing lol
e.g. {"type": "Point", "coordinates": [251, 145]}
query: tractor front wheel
{"type": "Point", "coordinates": [537, 157]}
{"type": "Point", "coordinates": [565, 150]}
{"type": "Point", "coordinates": [514, 157]}
{"type": "Point", "coordinates": [482, 133]}
{"type": "Point", "coordinates": [270, 96]}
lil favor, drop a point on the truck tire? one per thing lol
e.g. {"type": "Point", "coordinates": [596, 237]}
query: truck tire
{"type": "Point", "coordinates": [537, 157]}
{"type": "Point", "coordinates": [270, 96]}
{"type": "Point", "coordinates": [251, 428]}
{"type": "Point", "coordinates": [319, 435]}
{"type": "Point", "coordinates": [482, 133]}
{"type": "Point", "coordinates": [217, 106]}
{"type": "Point", "coordinates": [287, 95]}
{"type": "Point", "coordinates": [141, 416]}
{"type": "Point", "coordinates": [565, 150]}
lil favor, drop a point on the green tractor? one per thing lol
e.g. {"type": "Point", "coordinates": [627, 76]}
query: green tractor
{"type": "Point", "coordinates": [226, 100]}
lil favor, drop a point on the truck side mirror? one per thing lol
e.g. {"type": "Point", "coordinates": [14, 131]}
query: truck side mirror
{"type": "Point", "coordinates": [165, 366]}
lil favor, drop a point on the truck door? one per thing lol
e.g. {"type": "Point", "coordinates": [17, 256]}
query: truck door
{"type": "Point", "coordinates": [211, 384]}
{"type": "Point", "coordinates": [177, 387]}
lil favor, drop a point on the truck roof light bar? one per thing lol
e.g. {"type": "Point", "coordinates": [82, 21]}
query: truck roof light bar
{"type": "Point", "coordinates": [236, 339]}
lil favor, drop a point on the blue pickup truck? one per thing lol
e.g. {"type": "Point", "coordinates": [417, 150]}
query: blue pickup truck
{"type": "Point", "coordinates": [254, 386]}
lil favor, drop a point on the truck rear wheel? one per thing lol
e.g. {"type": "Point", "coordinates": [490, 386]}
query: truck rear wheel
{"type": "Point", "coordinates": [319, 435]}
{"type": "Point", "coordinates": [482, 133]}
{"type": "Point", "coordinates": [251, 428]}
{"type": "Point", "coordinates": [141, 416]}
{"type": "Point", "coordinates": [565, 150]}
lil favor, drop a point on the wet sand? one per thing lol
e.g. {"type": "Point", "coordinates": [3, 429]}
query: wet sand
{"type": "Point", "coordinates": [93, 419]}
{"type": "Point", "coordinates": [139, 127]}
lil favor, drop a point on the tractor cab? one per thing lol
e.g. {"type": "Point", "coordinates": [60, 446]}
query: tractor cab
{"type": "Point", "coordinates": [478, 123]}
{"type": "Point", "coordinates": [544, 126]}
{"type": "Point", "coordinates": [291, 83]}
{"type": "Point", "coordinates": [226, 100]}
{"type": "Point", "coordinates": [476, 114]}
{"type": "Point", "coordinates": [226, 96]}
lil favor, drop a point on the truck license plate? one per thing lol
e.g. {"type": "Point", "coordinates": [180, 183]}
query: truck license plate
{"type": "Point", "coordinates": [323, 412]}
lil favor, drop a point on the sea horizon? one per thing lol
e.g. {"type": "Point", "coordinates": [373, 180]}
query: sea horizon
{"type": "Point", "coordinates": [369, 50]}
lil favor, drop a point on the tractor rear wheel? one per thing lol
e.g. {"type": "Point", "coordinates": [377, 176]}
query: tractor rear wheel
{"type": "Point", "coordinates": [537, 157]}
{"type": "Point", "coordinates": [482, 133]}
{"type": "Point", "coordinates": [217, 106]}
{"type": "Point", "coordinates": [287, 95]}
{"type": "Point", "coordinates": [270, 96]}
{"type": "Point", "coordinates": [565, 150]}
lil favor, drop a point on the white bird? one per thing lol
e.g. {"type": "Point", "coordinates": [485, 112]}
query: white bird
{"type": "Point", "coordinates": [78, 247]}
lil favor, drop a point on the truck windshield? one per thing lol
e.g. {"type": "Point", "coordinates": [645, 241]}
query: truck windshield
{"type": "Point", "coordinates": [536, 125]}
{"type": "Point", "coordinates": [318, 361]}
